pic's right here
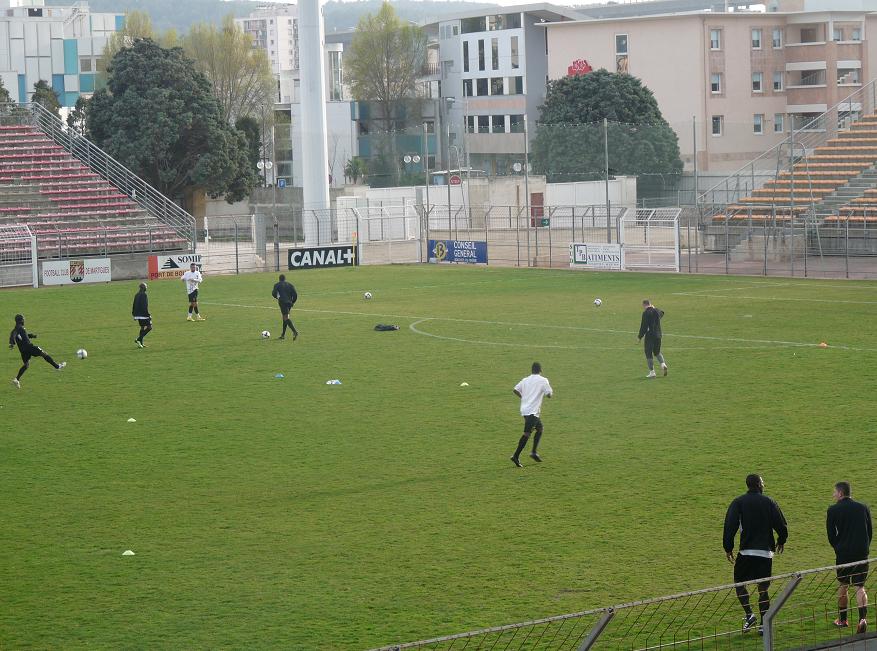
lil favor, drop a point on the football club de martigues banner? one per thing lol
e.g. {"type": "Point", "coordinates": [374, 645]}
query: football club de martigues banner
{"type": "Point", "coordinates": [323, 256]}
{"type": "Point", "coordinates": [596, 256]}
{"type": "Point", "coordinates": [458, 251]}
{"type": "Point", "coordinates": [70, 272]}
{"type": "Point", "coordinates": [171, 266]}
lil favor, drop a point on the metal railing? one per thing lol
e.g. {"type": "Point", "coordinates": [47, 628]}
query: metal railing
{"type": "Point", "coordinates": [141, 192]}
{"type": "Point", "coordinates": [106, 240]}
{"type": "Point", "coordinates": [797, 146]}
{"type": "Point", "coordinates": [800, 612]}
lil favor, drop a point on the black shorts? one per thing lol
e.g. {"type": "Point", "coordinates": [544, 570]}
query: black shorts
{"type": "Point", "coordinates": [752, 568]}
{"type": "Point", "coordinates": [193, 296]}
{"type": "Point", "coordinates": [532, 422]}
{"type": "Point", "coordinates": [853, 574]}
{"type": "Point", "coordinates": [144, 323]}
{"type": "Point", "coordinates": [31, 351]}
{"type": "Point", "coordinates": [285, 308]}
{"type": "Point", "coordinates": [652, 346]}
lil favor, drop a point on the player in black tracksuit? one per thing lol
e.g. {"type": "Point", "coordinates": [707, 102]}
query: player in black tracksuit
{"type": "Point", "coordinates": [650, 328]}
{"type": "Point", "coordinates": [756, 516]}
{"type": "Point", "coordinates": [20, 337]}
{"type": "Point", "coordinates": [140, 312]}
{"type": "Point", "coordinates": [848, 523]}
{"type": "Point", "coordinates": [286, 297]}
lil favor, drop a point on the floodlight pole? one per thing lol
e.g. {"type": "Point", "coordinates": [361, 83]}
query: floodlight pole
{"type": "Point", "coordinates": [527, 170]}
{"type": "Point", "coordinates": [606, 169]}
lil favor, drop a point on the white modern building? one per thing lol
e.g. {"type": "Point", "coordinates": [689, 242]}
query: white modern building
{"type": "Point", "coordinates": [274, 28]}
{"type": "Point", "coordinates": [62, 45]}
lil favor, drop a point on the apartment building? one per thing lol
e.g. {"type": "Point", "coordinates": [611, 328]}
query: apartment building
{"type": "Point", "coordinates": [487, 72]}
{"type": "Point", "coordinates": [734, 81]}
{"type": "Point", "coordinates": [62, 45]}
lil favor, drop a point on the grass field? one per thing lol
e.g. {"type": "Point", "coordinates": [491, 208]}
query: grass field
{"type": "Point", "coordinates": [287, 514]}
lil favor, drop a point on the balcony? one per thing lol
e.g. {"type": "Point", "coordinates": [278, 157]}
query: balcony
{"type": "Point", "coordinates": [430, 70]}
{"type": "Point", "coordinates": [806, 79]}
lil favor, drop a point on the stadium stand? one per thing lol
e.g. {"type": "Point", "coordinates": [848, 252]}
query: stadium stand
{"type": "Point", "coordinates": [70, 208]}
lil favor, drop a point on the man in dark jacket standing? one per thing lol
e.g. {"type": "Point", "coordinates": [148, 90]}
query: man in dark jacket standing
{"type": "Point", "coordinates": [849, 531]}
{"type": "Point", "coordinates": [756, 516]}
{"type": "Point", "coordinates": [286, 297]}
{"type": "Point", "coordinates": [140, 312]}
{"type": "Point", "coordinates": [650, 328]}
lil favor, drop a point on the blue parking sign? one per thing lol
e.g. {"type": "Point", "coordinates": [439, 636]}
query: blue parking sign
{"type": "Point", "coordinates": [281, 183]}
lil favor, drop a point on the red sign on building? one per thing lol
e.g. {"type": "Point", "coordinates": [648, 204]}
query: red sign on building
{"type": "Point", "coordinates": [579, 67]}
{"type": "Point", "coordinates": [456, 179]}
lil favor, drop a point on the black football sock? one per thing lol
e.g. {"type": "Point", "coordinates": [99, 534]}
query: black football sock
{"type": "Point", "coordinates": [20, 372]}
{"type": "Point", "coordinates": [863, 612]}
{"type": "Point", "coordinates": [285, 321]}
{"type": "Point", "coordinates": [50, 360]}
{"type": "Point", "coordinates": [536, 441]}
{"type": "Point", "coordinates": [196, 310]}
{"type": "Point", "coordinates": [292, 326]}
{"type": "Point", "coordinates": [521, 443]}
{"type": "Point", "coordinates": [743, 596]}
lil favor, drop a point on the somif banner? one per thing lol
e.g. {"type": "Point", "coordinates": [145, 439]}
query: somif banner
{"type": "Point", "coordinates": [68, 272]}
{"type": "Point", "coordinates": [458, 251]}
{"type": "Point", "coordinates": [171, 266]}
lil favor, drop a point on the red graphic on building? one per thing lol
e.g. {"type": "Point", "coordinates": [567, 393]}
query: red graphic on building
{"type": "Point", "coordinates": [579, 67]}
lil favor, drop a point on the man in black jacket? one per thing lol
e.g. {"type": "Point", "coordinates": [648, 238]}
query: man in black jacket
{"type": "Point", "coordinates": [757, 517]}
{"type": "Point", "coordinates": [140, 312]}
{"type": "Point", "coordinates": [849, 531]}
{"type": "Point", "coordinates": [650, 328]}
{"type": "Point", "coordinates": [286, 297]}
{"type": "Point", "coordinates": [21, 338]}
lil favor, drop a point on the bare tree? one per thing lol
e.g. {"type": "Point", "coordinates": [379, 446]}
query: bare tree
{"type": "Point", "coordinates": [138, 25]}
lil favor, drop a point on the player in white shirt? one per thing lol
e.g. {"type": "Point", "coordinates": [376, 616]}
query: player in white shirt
{"type": "Point", "coordinates": [531, 390]}
{"type": "Point", "coordinates": [193, 279]}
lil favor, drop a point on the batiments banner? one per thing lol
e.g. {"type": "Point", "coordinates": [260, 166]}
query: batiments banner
{"type": "Point", "coordinates": [69, 272]}
{"type": "Point", "coordinates": [596, 256]}
{"type": "Point", "coordinates": [457, 251]}
{"type": "Point", "coordinates": [323, 256]}
{"type": "Point", "coordinates": [171, 266]}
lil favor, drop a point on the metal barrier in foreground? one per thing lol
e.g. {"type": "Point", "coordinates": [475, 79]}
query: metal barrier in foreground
{"type": "Point", "coordinates": [801, 608]}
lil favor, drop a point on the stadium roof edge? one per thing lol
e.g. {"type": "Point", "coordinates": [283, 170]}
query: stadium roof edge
{"type": "Point", "coordinates": [731, 14]}
{"type": "Point", "coordinates": [563, 13]}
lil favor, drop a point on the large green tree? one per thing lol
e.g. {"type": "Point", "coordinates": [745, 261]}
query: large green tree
{"type": "Point", "coordinates": [240, 74]}
{"type": "Point", "coordinates": [569, 141]}
{"type": "Point", "coordinates": [158, 116]}
{"type": "Point", "coordinates": [46, 96]}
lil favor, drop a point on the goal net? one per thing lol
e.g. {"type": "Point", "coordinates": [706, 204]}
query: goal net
{"type": "Point", "coordinates": [651, 239]}
{"type": "Point", "coordinates": [18, 256]}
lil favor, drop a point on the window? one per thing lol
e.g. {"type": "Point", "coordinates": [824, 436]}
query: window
{"type": "Point", "coordinates": [715, 39]}
{"type": "Point", "coordinates": [516, 62]}
{"type": "Point", "coordinates": [516, 124]}
{"type": "Point", "coordinates": [848, 76]}
{"type": "Point", "coordinates": [467, 88]}
{"type": "Point", "coordinates": [498, 124]}
{"type": "Point", "coordinates": [756, 39]}
{"type": "Point", "coordinates": [856, 35]}
{"type": "Point", "coordinates": [621, 44]}
{"type": "Point", "coordinates": [514, 86]}
{"type": "Point", "coordinates": [483, 124]}
{"type": "Point", "coordinates": [778, 81]}
{"type": "Point", "coordinates": [496, 86]}
{"type": "Point", "coordinates": [470, 124]}
{"type": "Point", "coordinates": [85, 65]}
{"type": "Point", "coordinates": [716, 83]}
{"type": "Point", "coordinates": [838, 34]}
{"type": "Point", "coordinates": [465, 56]}
{"type": "Point", "coordinates": [456, 30]}
{"type": "Point", "coordinates": [481, 87]}
{"type": "Point", "coordinates": [778, 122]}
{"type": "Point", "coordinates": [470, 25]}
{"type": "Point", "coordinates": [758, 123]}
{"type": "Point", "coordinates": [718, 122]}
{"type": "Point", "coordinates": [481, 54]}
{"type": "Point", "coordinates": [757, 79]}
{"type": "Point", "coordinates": [336, 87]}
{"type": "Point", "coordinates": [494, 53]}
{"type": "Point", "coordinates": [777, 40]}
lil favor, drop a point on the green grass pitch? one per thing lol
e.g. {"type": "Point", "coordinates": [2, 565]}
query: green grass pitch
{"type": "Point", "coordinates": [288, 514]}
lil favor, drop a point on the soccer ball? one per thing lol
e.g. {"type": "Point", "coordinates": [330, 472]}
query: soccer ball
{"type": "Point", "coordinates": [266, 334]}
{"type": "Point", "coordinates": [367, 296]}
{"type": "Point", "coordinates": [82, 353]}
{"type": "Point", "coordinates": [598, 302]}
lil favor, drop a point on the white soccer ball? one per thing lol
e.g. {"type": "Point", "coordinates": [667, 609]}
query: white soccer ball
{"type": "Point", "coordinates": [598, 302]}
{"type": "Point", "coordinates": [367, 296]}
{"type": "Point", "coordinates": [82, 353]}
{"type": "Point", "coordinates": [266, 334]}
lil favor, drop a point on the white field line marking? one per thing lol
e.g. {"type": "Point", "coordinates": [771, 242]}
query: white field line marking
{"type": "Point", "coordinates": [779, 298]}
{"type": "Point", "coordinates": [419, 319]}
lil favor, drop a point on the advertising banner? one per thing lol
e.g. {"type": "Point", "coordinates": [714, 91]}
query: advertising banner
{"type": "Point", "coordinates": [171, 266]}
{"type": "Point", "coordinates": [458, 251]}
{"type": "Point", "coordinates": [595, 256]}
{"type": "Point", "coordinates": [323, 256]}
{"type": "Point", "coordinates": [69, 272]}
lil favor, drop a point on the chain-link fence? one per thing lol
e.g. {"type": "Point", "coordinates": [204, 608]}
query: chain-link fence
{"type": "Point", "coordinates": [797, 611]}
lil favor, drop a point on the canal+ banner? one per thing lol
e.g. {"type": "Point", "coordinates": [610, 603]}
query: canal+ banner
{"type": "Point", "coordinates": [323, 256]}
{"type": "Point", "coordinates": [458, 251]}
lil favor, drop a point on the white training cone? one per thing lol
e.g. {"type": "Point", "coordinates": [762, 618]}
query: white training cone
{"type": "Point", "coordinates": [464, 384]}
{"type": "Point", "coordinates": [131, 420]}
{"type": "Point", "coordinates": [127, 552]}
